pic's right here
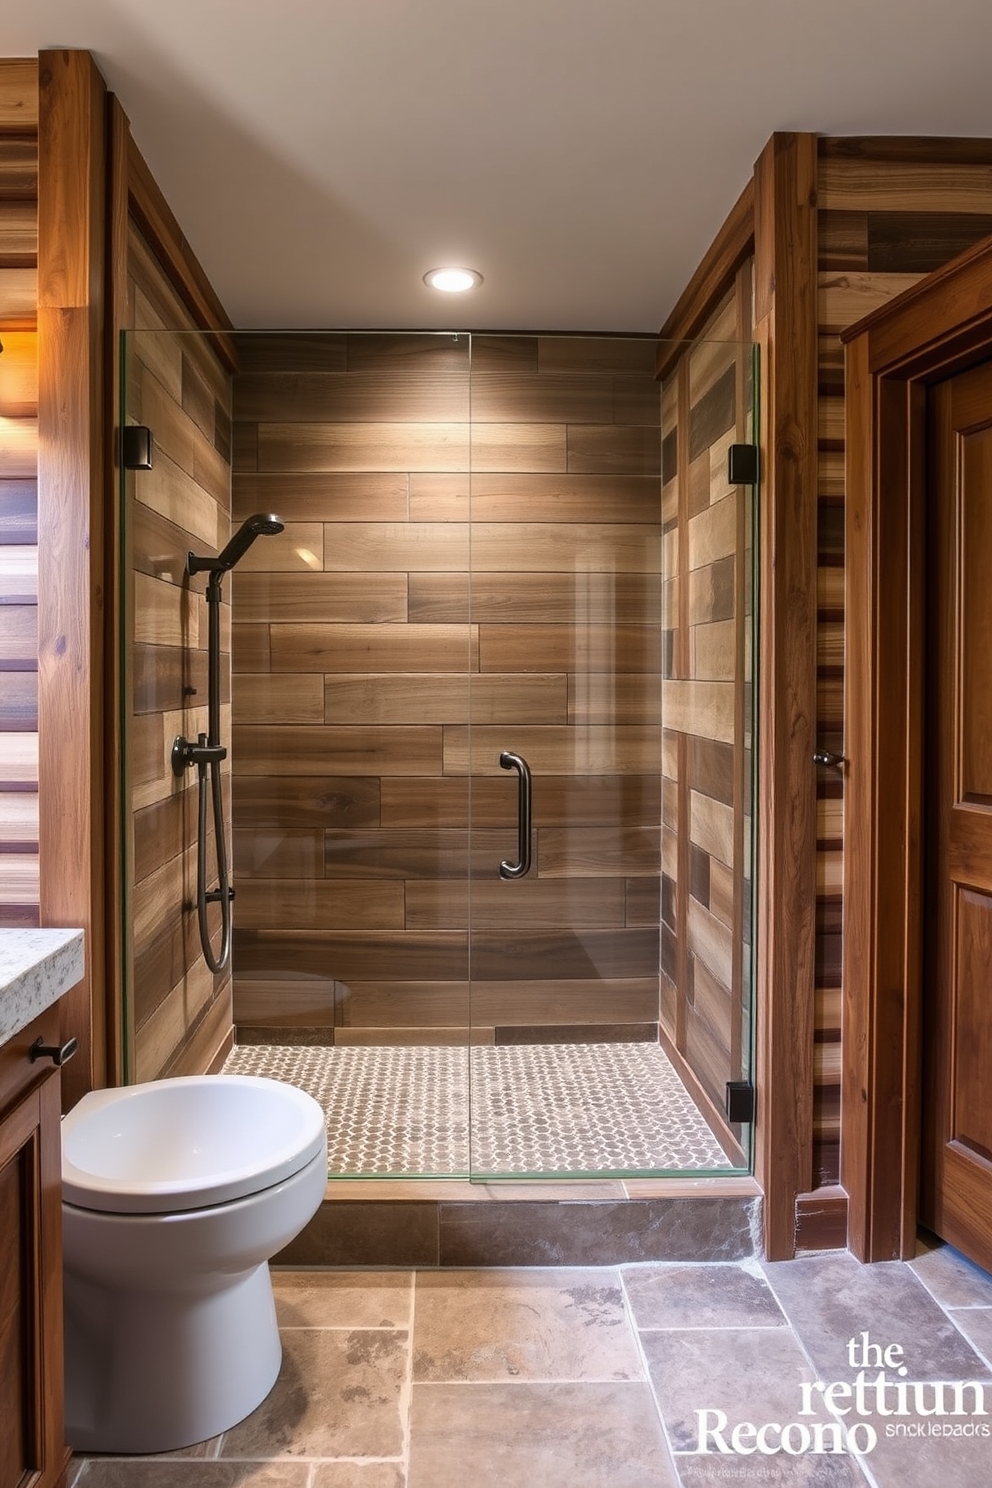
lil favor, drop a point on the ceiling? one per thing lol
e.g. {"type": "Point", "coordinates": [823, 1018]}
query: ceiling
{"type": "Point", "coordinates": [321, 155]}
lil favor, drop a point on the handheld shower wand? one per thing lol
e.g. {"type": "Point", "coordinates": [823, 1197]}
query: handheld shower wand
{"type": "Point", "coordinates": [207, 753]}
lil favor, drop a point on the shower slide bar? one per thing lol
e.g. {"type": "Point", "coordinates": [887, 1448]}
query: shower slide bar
{"type": "Point", "coordinates": [510, 761]}
{"type": "Point", "coordinates": [206, 754]}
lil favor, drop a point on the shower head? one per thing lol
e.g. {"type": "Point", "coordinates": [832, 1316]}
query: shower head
{"type": "Point", "coordinates": [260, 525]}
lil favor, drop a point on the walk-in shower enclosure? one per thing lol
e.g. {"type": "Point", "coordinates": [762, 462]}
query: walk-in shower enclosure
{"type": "Point", "coordinates": [492, 543]}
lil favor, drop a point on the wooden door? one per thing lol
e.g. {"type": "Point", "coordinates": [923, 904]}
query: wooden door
{"type": "Point", "coordinates": [956, 1192]}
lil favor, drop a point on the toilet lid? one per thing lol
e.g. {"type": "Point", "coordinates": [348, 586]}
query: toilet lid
{"type": "Point", "coordinates": [186, 1143]}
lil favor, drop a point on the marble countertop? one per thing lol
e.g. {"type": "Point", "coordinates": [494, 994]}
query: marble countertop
{"type": "Point", "coordinates": [36, 967]}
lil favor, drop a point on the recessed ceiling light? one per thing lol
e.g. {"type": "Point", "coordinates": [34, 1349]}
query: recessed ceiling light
{"type": "Point", "coordinates": [453, 281]}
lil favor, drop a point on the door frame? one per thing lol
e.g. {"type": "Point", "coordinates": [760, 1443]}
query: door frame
{"type": "Point", "coordinates": [940, 326]}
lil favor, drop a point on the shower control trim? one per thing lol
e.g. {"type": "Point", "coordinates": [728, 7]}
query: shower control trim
{"type": "Point", "coordinates": [185, 753]}
{"type": "Point", "coordinates": [510, 761]}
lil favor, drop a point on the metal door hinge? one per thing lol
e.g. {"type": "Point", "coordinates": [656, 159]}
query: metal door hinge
{"type": "Point", "coordinates": [742, 465]}
{"type": "Point", "coordinates": [740, 1101]}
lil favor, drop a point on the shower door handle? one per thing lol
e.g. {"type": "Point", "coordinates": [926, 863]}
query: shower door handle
{"type": "Point", "coordinates": [509, 761]}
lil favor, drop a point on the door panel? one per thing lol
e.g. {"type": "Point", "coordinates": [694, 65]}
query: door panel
{"type": "Point", "coordinates": [956, 1194]}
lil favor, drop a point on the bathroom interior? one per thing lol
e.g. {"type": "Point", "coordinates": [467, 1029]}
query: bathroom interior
{"type": "Point", "coordinates": [474, 549]}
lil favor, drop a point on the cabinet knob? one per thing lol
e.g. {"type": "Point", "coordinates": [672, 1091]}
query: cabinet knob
{"type": "Point", "coordinates": [57, 1053]}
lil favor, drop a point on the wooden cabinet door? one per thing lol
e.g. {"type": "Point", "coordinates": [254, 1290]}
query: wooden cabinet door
{"type": "Point", "coordinates": [32, 1442]}
{"type": "Point", "coordinates": [956, 1190]}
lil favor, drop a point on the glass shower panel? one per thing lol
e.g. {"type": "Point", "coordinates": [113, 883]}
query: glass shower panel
{"type": "Point", "coordinates": [612, 602]}
{"type": "Point", "coordinates": [351, 648]}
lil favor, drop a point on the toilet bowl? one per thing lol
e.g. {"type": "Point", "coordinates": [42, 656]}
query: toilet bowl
{"type": "Point", "coordinates": [174, 1196]}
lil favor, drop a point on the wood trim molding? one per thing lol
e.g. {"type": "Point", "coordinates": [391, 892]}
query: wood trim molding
{"type": "Point", "coordinates": [924, 335]}
{"type": "Point", "coordinates": [167, 241]}
{"type": "Point", "coordinates": [786, 329]}
{"type": "Point", "coordinates": [18, 95]}
{"type": "Point", "coordinates": [821, 1219]}
{"type": "Point", "coordinates": [714, 276]}
{"type": "Point", "coordinates": [71, 579]}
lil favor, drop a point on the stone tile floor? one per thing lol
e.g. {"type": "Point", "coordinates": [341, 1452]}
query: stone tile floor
{"type": "Point", "coordinates": [597, 1377]}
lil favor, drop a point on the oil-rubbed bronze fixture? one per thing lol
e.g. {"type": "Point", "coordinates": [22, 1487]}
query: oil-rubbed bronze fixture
{"type": "Point", "coordinates": [207, 752]}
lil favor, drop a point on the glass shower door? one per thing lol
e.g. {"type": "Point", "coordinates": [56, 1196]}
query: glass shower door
{"type": "Point", "coordinates": [591, 931]}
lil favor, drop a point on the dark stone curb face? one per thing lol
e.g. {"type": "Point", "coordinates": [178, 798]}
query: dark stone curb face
{"type": "Point", "coordinates": [526, 1233]}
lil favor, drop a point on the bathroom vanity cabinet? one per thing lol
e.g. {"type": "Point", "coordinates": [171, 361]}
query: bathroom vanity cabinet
{"type": "Point", "coordinates": [32, 1442]}
{"type": "Point", "coordinates": [36, 967]}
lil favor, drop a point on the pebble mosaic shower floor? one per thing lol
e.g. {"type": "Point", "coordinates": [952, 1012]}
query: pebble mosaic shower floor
{"type": "Point", "coordinates": [535, 1108]}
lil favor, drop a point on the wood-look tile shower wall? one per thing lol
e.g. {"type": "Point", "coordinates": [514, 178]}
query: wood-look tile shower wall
{"type": "Point", "coordinates": [180, 1011]}
{"type": "Point", "coordinates": [19, 884]}
{"type": "Point", "coordinates": [360, 659]}
{"type": "Point", "coordinates": [706, 706]}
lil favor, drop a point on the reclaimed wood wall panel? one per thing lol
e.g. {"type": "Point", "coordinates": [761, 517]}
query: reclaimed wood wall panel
{"type": "Point", "coordinates": [889, 211]}
{"type": "Point", "coordinates": [469, 540]}
{"type": "Point", "coordinates": [19, 872]}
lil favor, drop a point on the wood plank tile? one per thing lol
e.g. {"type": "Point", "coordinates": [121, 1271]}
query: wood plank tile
{"type": "Point", "coordinates": [597, 354]}
{"type": "Point", "coordinates": [703, 708]}
{"type": "Point", "coordinates": [610, 697]}
{"type": "Point", "coordinates": [278, 852]}
{"type": "Point", "coordinates": [374, 648]}
{"type": "Point", "coordinates": [445, 698]}
{"type": "Point", "coordinates": [495, 904]}
{"type": "Point", "coordinates": [711, 826]}
{"type": "Point", "coordinates": [515, 448]}
{"type": "Point", "coordinates": [713, 533]}
{"type": "Point", "coordinates": [405, 547]}
{"type": "Point", "coordinates": [427, 351]}
{"type": "Point", "coordinates": [555, 751]}
{"type": "Point", "coordinates": [20, 294]}
{"type": "Point", "coordinates": [428, 853]}
{"type": "Point", "coordinates": [394, 395]}
{"type": "Point", "coordinates": [19, 887]}
{"type": "Point", "coordinates": [168, 490]}
{"type": "Point", "coordinates": [565, 1000]}
{"type": "Point", "coordinates": [250, 648]}
{"type": "Point", "coordinates": [363, 956]}
{"type": "Point", "coordinates": [642, 901]}
{"type": "Point", "coordinates": [328, 597]}
{"type": "Point", "coordinates": [399, 1004]}
{"type": "Point", "coordinates": [159, 548]}
{"type": "Point", "coordinates": [306, 801]}
{"type": "Point", "coordinates": [298, 549]}
{"type": "Point", "coordinates": [563, 648]}
{"type": "Point", "coordinates": [372, 446]}
{"type": "Point", "coordinates": [313, 904]}
{"type": "Point", "coordinates": [620, 449]}
{"type": "Point", "coordinates": [713, 651]}
{"type": "Point", "coordinates": [919, 242]}
{"type": "Point", "coordinates": [263, 749]}
{"type": "Point", "coordinates": [594, 954]}
{"type": "Point", "coordinates": [598, 852]}
{"type": "Point", "coordinates": [164, 614]}
{"type": "Point", "coordinates": [711, 942]}
{"type": "Point", "coordinates": [324, 496]}
{"type": "Point", "coordinates": [561, 801]}
{"type": "Point", "coordinates": [296, 351]}
{"type": "Point", "coordinates": [711, 592]}
{"type": "Point", "coordinates": [279, 697]}
{"type": "Point", "coordinates": [439, 496]}
{"type": "Point", "coordinates": [581, 499]}
{"type": "Point", "coordinates": [536, 599]}
{"type": "Point", "coordinates": [504, 353]}
{"type": "Point", "coordinates": [303, 1003]}
{"type": "Point", "coordinates": [522, 547]}
{"type": "Point", "coordinates": [572, 397]}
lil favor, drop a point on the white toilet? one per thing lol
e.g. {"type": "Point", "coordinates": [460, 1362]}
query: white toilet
{"type": "Point", "coordinates": [174, 1196]}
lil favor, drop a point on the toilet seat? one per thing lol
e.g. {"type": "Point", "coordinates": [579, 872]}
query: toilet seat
{"type": "Point", "coordinates": [142, 1150]}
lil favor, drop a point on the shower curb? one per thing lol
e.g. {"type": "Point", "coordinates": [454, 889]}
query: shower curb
{"type": "Point", "coordinates": [712, 1220]}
